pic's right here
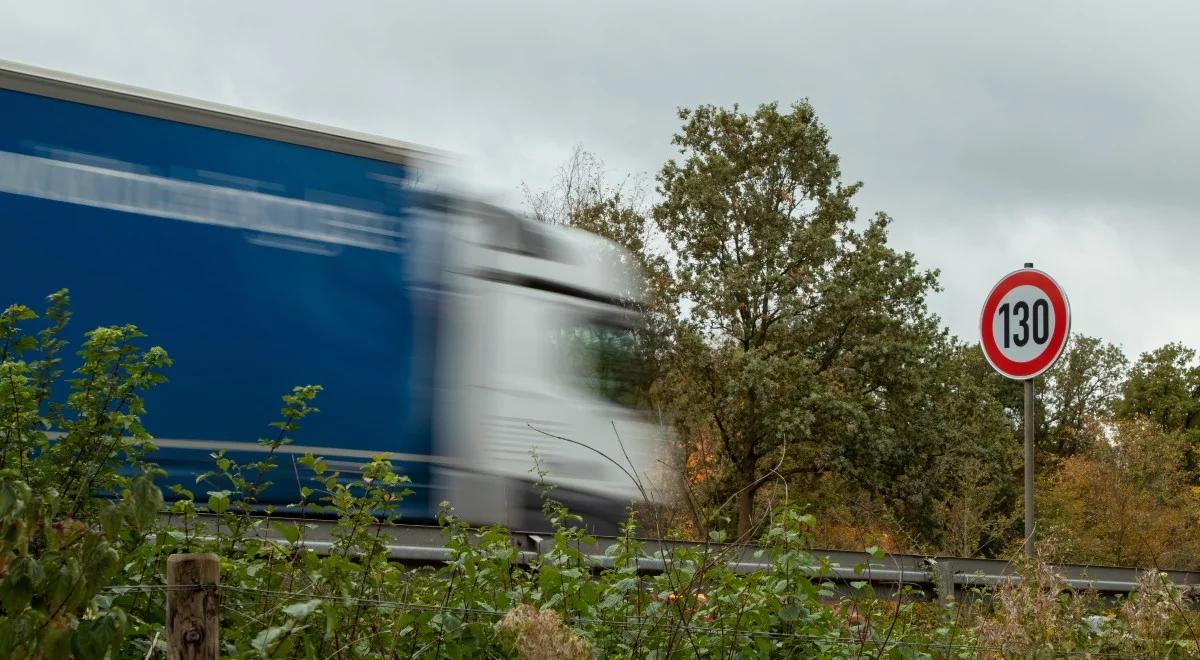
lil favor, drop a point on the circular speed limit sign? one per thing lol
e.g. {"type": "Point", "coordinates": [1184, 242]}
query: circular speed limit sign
{"type": "Point", "coordinates": [1024, 325]}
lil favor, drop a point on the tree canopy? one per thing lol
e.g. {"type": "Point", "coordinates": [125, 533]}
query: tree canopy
{"type": "Point", "coordinates": [793, 348]}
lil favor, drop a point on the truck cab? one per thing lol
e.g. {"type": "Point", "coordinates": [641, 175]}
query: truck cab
{"type": "Point", "coordinates": [542, 323]}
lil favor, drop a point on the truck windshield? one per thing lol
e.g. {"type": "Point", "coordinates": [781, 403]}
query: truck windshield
{"type": "Point", "coordinates": [607, 360]}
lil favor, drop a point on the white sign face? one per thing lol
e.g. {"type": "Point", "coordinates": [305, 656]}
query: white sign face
{"type": "Point", "coordinates": [1024, 324]}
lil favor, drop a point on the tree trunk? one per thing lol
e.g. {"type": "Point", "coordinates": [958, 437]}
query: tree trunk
{"type": "Point", "coordinates": [745, 508]}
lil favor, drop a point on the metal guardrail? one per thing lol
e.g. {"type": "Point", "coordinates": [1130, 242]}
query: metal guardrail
{"type": "Point", "coordinates": [936, 576]}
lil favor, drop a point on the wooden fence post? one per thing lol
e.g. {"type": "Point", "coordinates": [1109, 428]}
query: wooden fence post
{"type": "Point", "coordinates": [193, 624]}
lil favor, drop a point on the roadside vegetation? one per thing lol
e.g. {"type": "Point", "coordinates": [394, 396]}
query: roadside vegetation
{"type": "Point", "coordinates": [83, 545]}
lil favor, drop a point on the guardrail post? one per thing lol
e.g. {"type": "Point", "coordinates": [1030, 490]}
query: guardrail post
{"type": "Point", "coordinates": [193, 623]}
{"type": "Point", "coordinates": [945, 581]}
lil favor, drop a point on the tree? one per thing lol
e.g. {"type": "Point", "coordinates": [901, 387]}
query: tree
{"type": "Point", "coordinates": [952, 476]}
{"type": "Point", "coordinates": [1164, 387]}
{"type": "Point", "coordinates": [579, 183]}
{"type": "Point", "coordinates": [1081, 388]}
{"type": "Point", "coordinates": [1125, 501]}
{"type": "Point", "coordinates": [1083, 385]}
{"type": "Point", "coordinates": [580, 196]}
{"type": "Point", "coordinates": [802, 326]}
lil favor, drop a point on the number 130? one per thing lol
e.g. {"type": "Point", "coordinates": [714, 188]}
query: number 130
{"type": "Point", "coordinates": [1020, 313]}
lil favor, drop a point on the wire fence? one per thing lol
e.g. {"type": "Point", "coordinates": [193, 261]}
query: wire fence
{"type": "Point", "coordinates": [877, 647]}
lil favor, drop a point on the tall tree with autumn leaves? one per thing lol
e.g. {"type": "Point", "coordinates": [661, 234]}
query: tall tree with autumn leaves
{"type": "Point", "coordinates": [790, 340]}
{"type": "Point", "coordinates": [801, 325]}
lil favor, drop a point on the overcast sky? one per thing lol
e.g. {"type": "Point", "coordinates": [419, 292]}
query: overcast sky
{"type": "Point", "coordinates": [1063, 133]}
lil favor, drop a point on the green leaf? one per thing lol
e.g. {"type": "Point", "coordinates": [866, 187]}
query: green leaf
{"type": "Point", "coordinates": [300, 611]}
{"type": "Point", "coordinates": [15, 593]}
{"type": "Point", "coordinates": [9, 502]}
{"type": "Point", "coordinates": [218, 501]}
{"type": "Point", "coordinates": [95, 638]}
{"type": "Point", "coordinates": [264, 640]}
{"type": "Point", "coordinates": [625, 584]}
{"type": "Point", "coordinates": [291, 533]}
{"type": "Point", "coordinates": [56, 641]}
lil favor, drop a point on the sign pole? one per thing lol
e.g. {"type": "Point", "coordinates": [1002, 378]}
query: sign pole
{"type": "Point", "coordinates": [1029, 472]}
{"type": "Point", "coordinates": [1029, 468]}
{"type": "Point", "coordinates": [1023, 328]}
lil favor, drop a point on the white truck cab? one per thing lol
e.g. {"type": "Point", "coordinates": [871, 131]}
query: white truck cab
{"type": "Point", "coordinates": [542, 330]}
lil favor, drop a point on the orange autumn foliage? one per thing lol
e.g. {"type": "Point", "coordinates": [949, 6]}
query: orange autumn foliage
{"type": "Point", "coordinates": [1126, 501]}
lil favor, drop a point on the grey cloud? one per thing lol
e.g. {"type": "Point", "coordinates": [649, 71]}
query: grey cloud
{"type": "Point", "coordinates": [1061, 132]}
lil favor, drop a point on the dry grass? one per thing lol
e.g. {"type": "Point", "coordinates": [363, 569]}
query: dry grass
{"type": "Point", "coordinates": [1028, 616]}
{"type": "Point", "coordinates": [1153, 608]}
{"type": "Point", "coordinates": [542, 635]}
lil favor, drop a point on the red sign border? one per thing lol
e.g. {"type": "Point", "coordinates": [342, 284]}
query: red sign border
{"type": "Point", "coordinates": [1058, 341]}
